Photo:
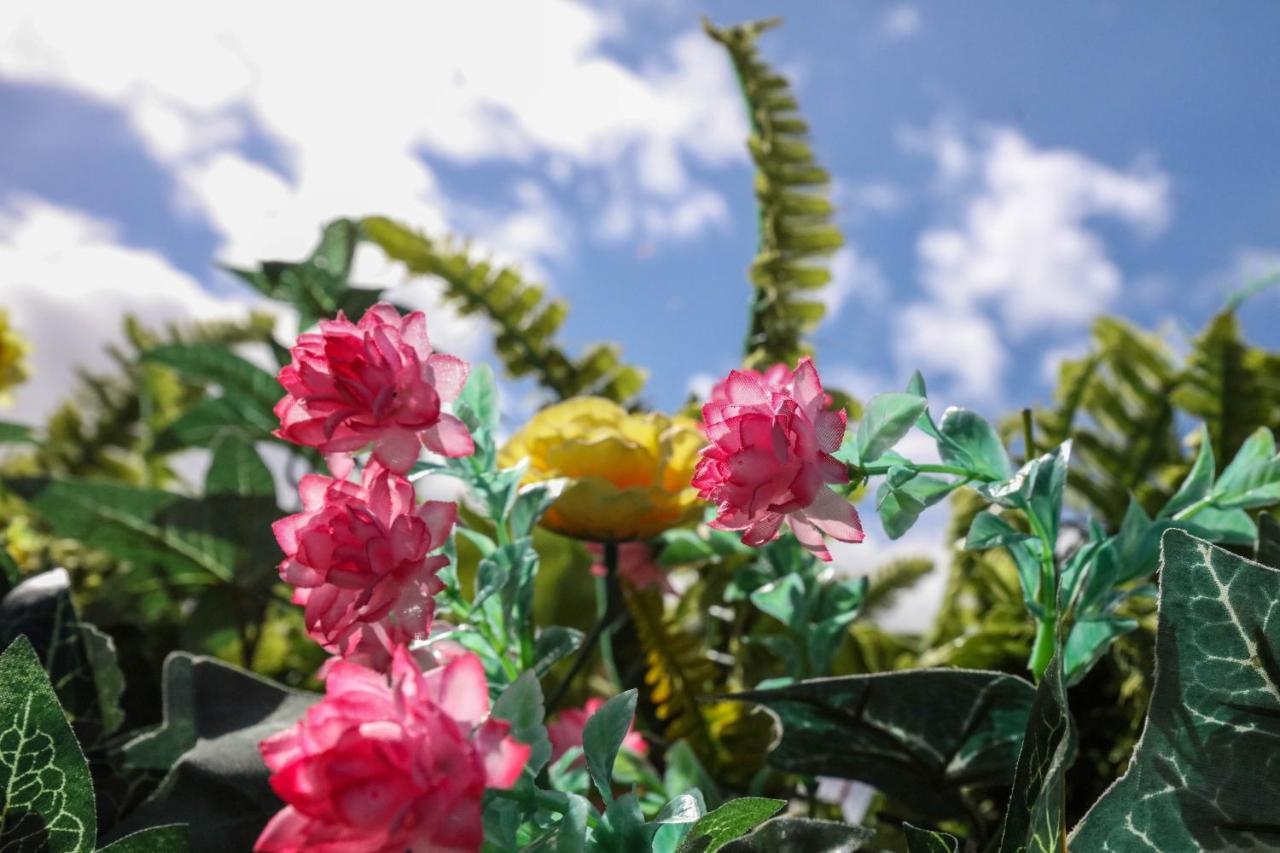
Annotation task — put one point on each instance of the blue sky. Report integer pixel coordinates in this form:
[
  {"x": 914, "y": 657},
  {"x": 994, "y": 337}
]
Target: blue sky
[{"x": 1004, "y": 171}]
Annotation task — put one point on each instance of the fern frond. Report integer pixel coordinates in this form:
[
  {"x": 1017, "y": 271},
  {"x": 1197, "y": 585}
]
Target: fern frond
[
  {"x": 1116, "y": 405},
  {"x": 1231, "y": 386},
  {"x": 797, "y": 231},
  {"x": 524, "y": 321},
  {"x": 678, "y": 673},
  {"x": 894, "y": 577}
]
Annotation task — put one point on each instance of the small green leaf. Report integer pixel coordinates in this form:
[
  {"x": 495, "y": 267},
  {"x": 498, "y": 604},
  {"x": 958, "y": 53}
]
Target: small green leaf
[
  {"x": 1198, "y": 482},
  {"x": 887, "y": 418},
  {"x": 732, "y": 820},
  {"x": 477, "y": 405},
  {"x": 968, "y": 440},
  {"x": 784, "y": 600},
  {"x": 521, "y": 706},
  {"x": 1253, "y": 477},
  {"x": 553, "y": 645},
  {"x": 929, "y": 840},
  {"x": 530, "y": 503},
  {"x": 237, "y": 469},
  {"x": 602, "y": 737},
  {"x": 622, "y": 828},
  {"x": 1088, "y": 641},
  {"x": 681, "y": 546},
  {"x": 44, "y": 779},
  {"x": 991, "y": 531},
  {"x": 571, "y": 834},
  {"x": 685, "y": 808},
  {"x": 904, "y": 495},
  {"x": 685, "y": 773}
]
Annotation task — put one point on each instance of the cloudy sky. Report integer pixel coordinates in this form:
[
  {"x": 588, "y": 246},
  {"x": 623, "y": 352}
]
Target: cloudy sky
[{"x": 1004, "y": 171}]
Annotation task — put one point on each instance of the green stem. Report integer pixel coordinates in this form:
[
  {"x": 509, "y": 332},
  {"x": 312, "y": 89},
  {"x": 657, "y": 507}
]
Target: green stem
[
  {"x": 1028, "y": 435},
  {"x": 1195, "y": 508},
  {"x": 1047, "y": 624},
  {"x": 884, "y": 467},
  {"x": 607, "y": 605},
  {"x": 1042, "y": 651}
]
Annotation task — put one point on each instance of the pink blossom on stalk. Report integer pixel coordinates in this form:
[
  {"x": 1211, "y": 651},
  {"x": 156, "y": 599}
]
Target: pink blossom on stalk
[
  {"x": 772, "y": 436},
  {"x": 636, "y": 565},
  {"x": 358, "y": 559},
  {"x": 386, "y": 766},
  {"x": 565, "y": 731},
  {"x": 376, "y": 382}
]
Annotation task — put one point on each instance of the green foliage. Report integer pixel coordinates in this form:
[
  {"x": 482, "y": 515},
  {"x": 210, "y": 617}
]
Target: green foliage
[
  {"x": 1201, "y": 778},
  {"x": 800, "y": 835},
  {"x": 525, "y": 325},
  {"x": 44, "y": 779},
  {"x": 928, "y": 840},
  {"x": 732, "y": 820},
  {"x": 216, "y": 783},
  {"x": 797, "y": 231},
  {"x": 920, "y": 736},
  {"x": 602, "y": 738}
]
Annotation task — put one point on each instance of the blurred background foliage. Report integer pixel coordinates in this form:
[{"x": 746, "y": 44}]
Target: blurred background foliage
[{"x": 161, "y": 558}]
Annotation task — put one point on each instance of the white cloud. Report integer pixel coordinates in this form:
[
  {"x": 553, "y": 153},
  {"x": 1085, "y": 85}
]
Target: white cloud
[
  {"x": 878, "y": 197},
  {"x": 853, "y": 276},
  {"x": 1023, "y": 243},
  {"x": 1017, "y": 242},
  {"x": 68, "y": 281},
  {"x": 942, "y": 340},
  {"x": 350, "y": 103},
  {"x": 901, "y": 22}
]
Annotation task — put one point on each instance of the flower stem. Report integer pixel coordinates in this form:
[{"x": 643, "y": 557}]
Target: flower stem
[{"x": 601, "y": 633}]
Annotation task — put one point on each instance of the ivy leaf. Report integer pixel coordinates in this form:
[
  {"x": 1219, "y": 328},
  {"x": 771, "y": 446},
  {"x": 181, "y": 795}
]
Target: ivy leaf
[
  {"x": 215, "y": 717},
  {"x": 732, "y": 820},
  {"x": 918, "y": 735},
  {"x": 1203, "y": 775},
  {"x": 602, "y": 737},
  {"x": 968, "y": 440},
  {"x": 79, "y": 659},
  {"x": 1035, "y": 820},
  {"x": 888, "y": 417},
  {"x": 44, "y": 778},
  {"x": 929, "y": 840},
  {"x": 801, "y": 835},
  {"x": 157, "y": 839}
]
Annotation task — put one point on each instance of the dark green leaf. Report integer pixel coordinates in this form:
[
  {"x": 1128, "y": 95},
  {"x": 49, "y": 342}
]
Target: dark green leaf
[
  {"x": 1035, "y": 819},
  {"x": 681, "y": 546},
  {"x": 79, "y": 659},
  {"x": 45, "y": 787},
  {"x": 622, "y": 829},
  {"x": 904, "y": 495},
  {"x": 1253, "y": 477},
  {"x": 1269, "y": 541},
  {"x": 784, "y": 600},
  {"x": 929, "y": 840},
  {"x": 732, "y": 820},
  {"x": 248, "y": 386},
  {"x": 215, "y": 716},
  {"x": 1203, "y": 775},
  {"x": 685, "y": 773},
  {"x": 553, "y": 645},
  {"x": 801, "y": 835},
  {"x": 919, "y": 736},
  {"x": 157, "y": 839},
  {"x": 602, "y": 737},
  {"x": 237, "y": 469}
]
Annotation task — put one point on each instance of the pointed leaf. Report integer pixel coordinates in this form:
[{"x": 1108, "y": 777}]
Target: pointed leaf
[
  {"x": 732, "y": 820},
  {"x": 887, "y": 418},
  {"x": 602, "y": 737},
  {"x": 929, "y": 840}
]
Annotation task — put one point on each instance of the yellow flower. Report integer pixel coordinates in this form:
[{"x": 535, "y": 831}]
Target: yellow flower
[
  {"x": 628, "y": 474},
  {"x": 13, "y": 357}
]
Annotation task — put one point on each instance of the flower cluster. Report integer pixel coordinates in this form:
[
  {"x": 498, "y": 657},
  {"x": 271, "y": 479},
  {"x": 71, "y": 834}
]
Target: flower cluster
[
  {"x": 771, "y": 438},
  {"x": 384, "y": 766},
  {"x": 392, "y": 758}
]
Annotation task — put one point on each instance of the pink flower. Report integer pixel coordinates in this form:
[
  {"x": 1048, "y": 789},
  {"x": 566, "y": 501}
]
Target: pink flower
[
  {"x": 566, "y": 731},
  {"x": 635, "y": 565},
  {"x": 380, "y": 767},
  {"x": 375, "y": 382},
  {"x": 770, "y": 460},
  {"x": 357, "y": 557}
]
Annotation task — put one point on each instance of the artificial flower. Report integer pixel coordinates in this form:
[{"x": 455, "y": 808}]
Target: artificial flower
[{"x": 565, "y": 731}]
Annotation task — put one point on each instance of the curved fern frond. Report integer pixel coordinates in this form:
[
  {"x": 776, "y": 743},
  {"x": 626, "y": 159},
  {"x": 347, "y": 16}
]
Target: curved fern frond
[
  {"x": 894, "y": 577},
  {"x": 525, "y": 323},
  {"x": 797, "y": 232},
  {"x": 1231, "y": 386}
]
